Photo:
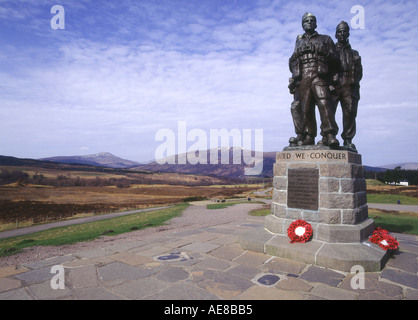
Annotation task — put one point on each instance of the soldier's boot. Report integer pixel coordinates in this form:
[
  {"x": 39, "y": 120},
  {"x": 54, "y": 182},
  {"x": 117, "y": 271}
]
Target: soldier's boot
[
  {"x": 309, "y": 140},
  {"x": 332, "y": 141},
  {"x": 322, "y": 142},
  {"x": 349, "y": 144},
  {"x": 294, "y": 141}
]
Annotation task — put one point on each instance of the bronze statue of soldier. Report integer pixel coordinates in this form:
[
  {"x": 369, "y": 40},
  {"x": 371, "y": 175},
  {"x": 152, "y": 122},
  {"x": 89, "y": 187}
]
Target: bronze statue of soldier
[
  {"x": 313, "y": 64},
  {"x": 349, "y": 75}
]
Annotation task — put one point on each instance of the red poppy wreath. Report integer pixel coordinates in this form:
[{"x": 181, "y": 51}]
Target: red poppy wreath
[
  {"x": 299, "y": 231},
  {"x": 384, "y": 239}
]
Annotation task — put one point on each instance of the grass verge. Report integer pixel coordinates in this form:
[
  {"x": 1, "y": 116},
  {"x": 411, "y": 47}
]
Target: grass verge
[
  {"x": 90, "y": 231},
  {"x": 265, "y": 211},
  {"x": 391, "y": 199},
  {"x": 400, "y": 222},
  {"x": 222, "y": 205},
  {"x": 374, "y": 182}
]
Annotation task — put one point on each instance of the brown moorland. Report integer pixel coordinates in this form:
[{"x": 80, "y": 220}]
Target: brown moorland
[
  {"x": 54, "y": 203},
  {"x": 34, "y": 191},
  {"x": 411, "y": 191}
]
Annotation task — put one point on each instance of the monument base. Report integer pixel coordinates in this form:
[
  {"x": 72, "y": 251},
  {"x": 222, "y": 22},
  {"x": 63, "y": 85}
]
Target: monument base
[
  {"x": 327, "y": 189},
  {"x": 337, "y": 256}
]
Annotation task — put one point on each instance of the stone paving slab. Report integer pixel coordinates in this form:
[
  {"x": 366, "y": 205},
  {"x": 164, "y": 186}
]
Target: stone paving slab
[
  {"x": 201, "y": 247},
  {"x": 35, "y": 275},
  {"x": 121, "y": 271},
  {"x": 205, "y": 264},
  {"x": 401, "y": 277},
  {"x": 7, "y": 284},
  {"x": 12, "y": 270},
  {"x": 83, "y": 277},
  {"x": 405, "y": 261},
  {"x": 131, "y": 258},
  {"x": 262, "y": 293},
  {"x": 322, "y": 275},
  {"x": 332, "y": 293},
  {"x": 42, "y": 291},
  {"x": 373, "y": 288}
]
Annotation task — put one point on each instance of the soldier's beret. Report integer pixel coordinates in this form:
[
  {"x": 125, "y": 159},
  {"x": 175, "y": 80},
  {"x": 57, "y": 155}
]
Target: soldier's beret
[
  {"x": 343, "y": 25},
  {"x": 306, "y": 15}
]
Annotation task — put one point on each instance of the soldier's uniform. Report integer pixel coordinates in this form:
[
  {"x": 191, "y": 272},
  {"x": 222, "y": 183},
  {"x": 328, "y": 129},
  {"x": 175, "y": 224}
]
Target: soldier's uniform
[
  {"x": 313, "y": 65},
  {"x": 348, "y": 93},
  {"x": 296, "y": 110}
]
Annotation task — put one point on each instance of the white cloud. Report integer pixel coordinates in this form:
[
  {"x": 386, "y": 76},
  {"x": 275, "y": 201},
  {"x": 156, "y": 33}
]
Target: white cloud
[{"x": 121, "y": 72}]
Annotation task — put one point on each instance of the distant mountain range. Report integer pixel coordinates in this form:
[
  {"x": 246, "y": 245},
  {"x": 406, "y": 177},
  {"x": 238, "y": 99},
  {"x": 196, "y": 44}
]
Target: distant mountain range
[
  {"x": 374, "y": 169},
  {"x": 108, "y": 160},
  {"x": 404, "y": 166},
  {"x": 229, "y": 170},
  {"x": 102, "y": 159}
]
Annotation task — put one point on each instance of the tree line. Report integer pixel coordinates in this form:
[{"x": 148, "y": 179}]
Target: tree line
[{"x": 394, "y": 176}]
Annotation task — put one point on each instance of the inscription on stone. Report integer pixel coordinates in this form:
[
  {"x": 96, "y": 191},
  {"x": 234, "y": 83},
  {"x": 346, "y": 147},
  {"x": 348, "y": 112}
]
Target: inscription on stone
[
  {"x": 313, "y": 156},
  {"x": 302, "y": 189}
]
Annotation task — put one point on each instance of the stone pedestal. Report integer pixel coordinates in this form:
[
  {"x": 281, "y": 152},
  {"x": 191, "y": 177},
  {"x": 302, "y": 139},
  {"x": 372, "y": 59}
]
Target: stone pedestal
[{"x": 327, "y": 189}]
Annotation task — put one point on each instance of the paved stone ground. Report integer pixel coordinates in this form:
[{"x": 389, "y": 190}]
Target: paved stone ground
[{"x": 204, "y": 264}]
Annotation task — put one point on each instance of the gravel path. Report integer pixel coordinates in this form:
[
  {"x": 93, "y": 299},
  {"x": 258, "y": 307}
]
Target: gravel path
[
  {"x": 195, "y": 216},
  {"x": 394, "y": 207}
]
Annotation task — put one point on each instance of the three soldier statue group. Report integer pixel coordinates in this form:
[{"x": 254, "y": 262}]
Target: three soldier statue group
[{"x": 324, "y": 74}]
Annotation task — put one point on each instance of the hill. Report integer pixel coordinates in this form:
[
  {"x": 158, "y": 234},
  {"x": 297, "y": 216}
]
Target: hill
[
  {"x": 229, "y": 170},
  {"x": 374, "y": 169},
  {"x": 37, "y": 172},
  {"x": 108, "y": 161},
  {"x": 102, "y": 159},
  {"x": 9, "y": 161},
  {"x": 404, "y": 166},
  {"x": 26, "y": 163}
]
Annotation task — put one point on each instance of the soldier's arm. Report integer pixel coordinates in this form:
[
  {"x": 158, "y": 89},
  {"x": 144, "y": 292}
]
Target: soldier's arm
[
  {"x": 296, "y": 52},
  {"x": 294, "y": 59},
  {"x": 358, "y": 66},
  {"x": 332, "y": 52},
  {"x": 333, "y": 57}
]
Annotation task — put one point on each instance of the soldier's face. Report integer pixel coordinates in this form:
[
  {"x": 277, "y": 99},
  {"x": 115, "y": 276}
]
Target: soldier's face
[
  {"x": 342, "y": 34},
  {"x": 309, "y": 24}
]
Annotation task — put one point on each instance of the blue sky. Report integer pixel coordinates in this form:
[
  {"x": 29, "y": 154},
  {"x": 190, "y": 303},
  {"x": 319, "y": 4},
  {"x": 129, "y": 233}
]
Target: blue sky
[{"x": 122, "y": 70}]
